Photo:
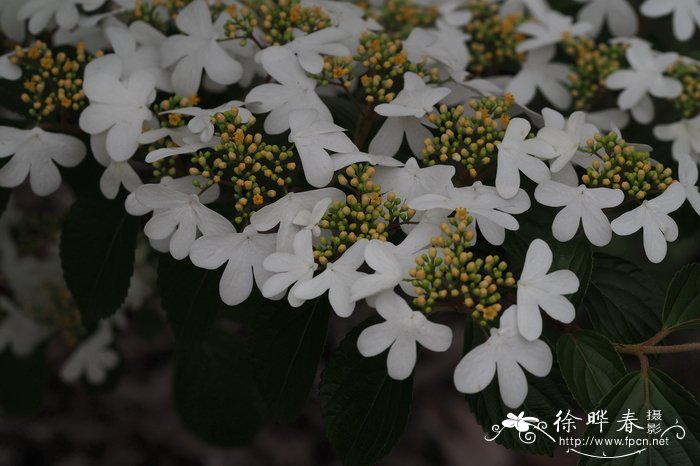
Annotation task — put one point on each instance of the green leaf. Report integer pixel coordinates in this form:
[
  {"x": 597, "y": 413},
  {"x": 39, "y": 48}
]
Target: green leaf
[
  {"x": 676, "y": 406},
  {"x": 98, "y": 241},
  {"x": 682, "y": 306},
  {"x": 623, "y": 302},
  {"x": 545, "y": 396},
  {"x": 190, "y": 297},
  {"x": 24, "y": 382},
  {"x": 214, "y": 390},
  {"x": 363, "y": 409},
  {"x": 287, "y": 344},
  {"x": 590, "y": 366}
]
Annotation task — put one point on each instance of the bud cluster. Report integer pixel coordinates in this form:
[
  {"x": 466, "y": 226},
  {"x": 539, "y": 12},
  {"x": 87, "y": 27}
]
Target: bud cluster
[
  {"x": 168, "y": 166},
  {"x": 593, "y": 63},
  {"x": 688, "y": 103},
  {"x": 365, "y": 214},
  {"x": 468, "y": 140},
  {"x": 494, "y": 38},
  {"x": 450, "y": 274},
  {"x": 242, "y": 23},
  {"x": 336, "y": 69},
  {"x": 402, "y": 16},
  {"x": 54, "y": 81},
  {"x": 279, "y": 19},
  {"x": 385, "y": 60},
  {"x": 258, "y": 172},
  {"x": 623, "y": 166}
]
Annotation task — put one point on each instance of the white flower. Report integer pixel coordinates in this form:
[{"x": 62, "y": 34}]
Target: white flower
[
  {"x": 295, "y": 91},
  {"x": 517, "y": 154},
  {"x": 201, "y": 121},
  {"x": 309, "y": 220},
  {"x": 244, "y": 253},
  {"x": 688, "y": 177},
  {"x": 582, "y": 205},
  {"x": 9, "y": 23},
  {"x": 35, "y": 154},
  {"x": 19, "y": 332},
  {"x": 198, "y": 50},
  {"x": 178, "y": 215},
  {"x": 445, "y": 45},
  {"x": 402, "y": 329},
  {"x": 94, "y": 358},
  {"x": 406, "y": 114},
  {"x": 644, "y": 79},
  {"x": 341, "y": 161},
  {"x": 686, "y": 15},
  {"x": 311, "y": 48},
  {"x": 506, "y": 353},
  {"x": 186, "y": 142},
  {"x": 65, "y": 12},
  {"x": 337, "y": 279},
  {"x": 314, "y": 137},
  {"x": 618, "y": 14},
  {"x": 283, "y": 211},
  {"x": 539, "y": 289},
  {"x": 116, "y": 173},
  {"x": 120, "y": 108},
  {"x": 539, "y": 73},
  {"x": 521, "y": 423},
  {"x": 652, "y": 217},
  {"x": 411, "y": 181},
  {"x": 346, "y": 16},
  {"x": 548, "y": 29},
  {"x": 391, "y": 263},
  {"x": 685, "y": 135},
  {"x": 565, "y": 136},
  {"x": 9, "y": 70},
  {"x": 490, "y": 211},
  {"x": 290, "y": 269}
]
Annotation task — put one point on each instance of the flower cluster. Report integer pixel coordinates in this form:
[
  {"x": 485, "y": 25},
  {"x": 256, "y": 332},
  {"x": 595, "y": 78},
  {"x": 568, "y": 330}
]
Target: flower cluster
[{"x": 377, "y": 152}]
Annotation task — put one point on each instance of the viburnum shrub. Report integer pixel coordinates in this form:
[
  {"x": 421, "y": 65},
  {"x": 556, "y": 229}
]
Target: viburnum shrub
[{"x": 443, "y": 174}]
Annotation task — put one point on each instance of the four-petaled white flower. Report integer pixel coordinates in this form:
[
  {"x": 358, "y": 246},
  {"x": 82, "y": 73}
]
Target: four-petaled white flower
[
  {"x": 406, "y": 115},
  {"x": 402, "y": 329},
  {"x": 290, "y": 269},
  {"x": 295, "y": 91},
  {"x": 518, "y": 154},
  {"x": 120, "y": 108},
  {"x": 538, "y": 72},
  {"x": 198, "y": 49},
  {"x": 446, "y": 45},
  {"x": 685, "y": 135},
  {"x": 582, "y": 205},
  {"x": 566, "y": 137},
  {"x": 686, "y": 15},
  {"x": 201, "y": 121},
  {"x": 179, "y": 216},
  {"x": 309, "y": 220},
  {"x": 548, "y": 29},
  {"x": 65, "y": 12},
  {"x": 93, "y": 359},
  {"x": 411, "y": 181},
  {"x": 618, "y": 14},
  {"x": 539, "y": 289},
  {"x": 337, "y": 279},
  {"x": 35, "y": 154},
  {"x": 116, "y": 174},
  {"x": 490, "y": 211},
  {"x": 314, "y": 137},
  {"x": 244, "y": 254},
  {"x": 644, "y": 79},
  {"x": 505, "y": 354},
  {"x": 310, "y": 48},
  {"x": 652, "y": 217},
  {"x": 283, "y": 211},
  {"x": 688, "y": 177}
]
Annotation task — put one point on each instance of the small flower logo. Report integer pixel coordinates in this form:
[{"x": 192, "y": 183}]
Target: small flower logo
[{"x": 521, "y": 422}]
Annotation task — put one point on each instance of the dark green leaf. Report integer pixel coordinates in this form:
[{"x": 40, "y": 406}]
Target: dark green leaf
[
  {"x": 364, "y": 410},
  {"x": 190, "y": 297},
  {"x": 677, "y": 406},
  {"x": 24, "y": 382},
  {"x": 215, "y": 392},
  {"x": 682, "y": 306},
  {"x": 590, "y": 366},
  {"x": 98, "y": 241},
  {"x": 623, "y": 302},
  {"x": 545, "y": 397},
  {"x": 287, "y": 344}
]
